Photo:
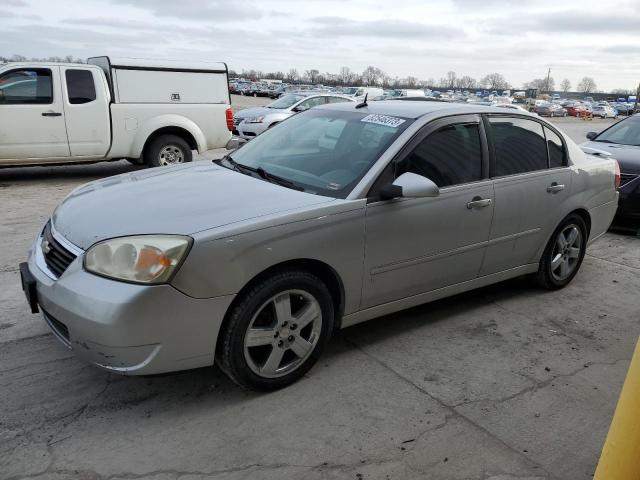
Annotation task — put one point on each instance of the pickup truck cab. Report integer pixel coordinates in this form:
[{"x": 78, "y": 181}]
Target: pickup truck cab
[{"x": 146, "y": 111}]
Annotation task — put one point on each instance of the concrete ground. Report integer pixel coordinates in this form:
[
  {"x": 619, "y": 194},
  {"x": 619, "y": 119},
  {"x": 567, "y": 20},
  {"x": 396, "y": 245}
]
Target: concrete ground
[{"x": 504, "y": 383}]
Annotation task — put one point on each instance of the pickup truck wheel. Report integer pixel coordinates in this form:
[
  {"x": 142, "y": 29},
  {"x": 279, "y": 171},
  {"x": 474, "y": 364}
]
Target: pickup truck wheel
[
  {"x": 276, "y": 331},
  {"x": 167, "y": 150},
  {"x": 563, "y": 254}
]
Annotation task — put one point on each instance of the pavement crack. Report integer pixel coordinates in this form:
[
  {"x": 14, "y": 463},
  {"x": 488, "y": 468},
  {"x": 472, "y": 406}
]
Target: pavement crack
[{"x": 451, "y": 409}]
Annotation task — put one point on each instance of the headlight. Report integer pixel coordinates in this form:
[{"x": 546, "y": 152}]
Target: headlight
[
  {"x": 259, "y": 119},
  {"x": 141, "y": 259}
]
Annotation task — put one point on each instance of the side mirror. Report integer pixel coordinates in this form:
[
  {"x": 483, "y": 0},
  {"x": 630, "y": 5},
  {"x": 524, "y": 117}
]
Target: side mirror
[
  {"x": 300, "y": 108},
  {"x": 410, "y": 185},
  {"x": 235, "y": 143},
  {"x": 592, "y": 135}
]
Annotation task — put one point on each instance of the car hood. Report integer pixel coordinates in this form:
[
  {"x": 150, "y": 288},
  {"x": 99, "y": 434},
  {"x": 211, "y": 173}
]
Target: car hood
[
  {"x": 257, "y": 111},
  {"x": 173, "y": 200},
  {"x": 628, "y": 156}
]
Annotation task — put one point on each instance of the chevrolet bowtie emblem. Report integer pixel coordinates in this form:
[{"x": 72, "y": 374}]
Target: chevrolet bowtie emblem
[{"x": 46, "y": 246}]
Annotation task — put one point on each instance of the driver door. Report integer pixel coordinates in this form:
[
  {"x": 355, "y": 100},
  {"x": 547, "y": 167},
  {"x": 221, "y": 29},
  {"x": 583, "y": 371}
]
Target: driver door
[
  {"x": 32, "y": 120},
  {"x": 416, "y": 245}
]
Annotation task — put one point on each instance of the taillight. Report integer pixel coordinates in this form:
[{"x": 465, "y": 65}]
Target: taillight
[
  {"x": 616, "y": 181},
  {"x": 229, "y": 114}
]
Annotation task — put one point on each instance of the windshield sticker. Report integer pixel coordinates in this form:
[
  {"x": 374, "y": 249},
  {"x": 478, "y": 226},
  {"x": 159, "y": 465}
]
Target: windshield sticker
[{"x": 385, "y": 120}]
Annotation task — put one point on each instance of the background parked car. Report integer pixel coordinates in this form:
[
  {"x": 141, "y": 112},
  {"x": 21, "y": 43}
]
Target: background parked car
[
  {"x": 578, "y": 110},
  {"x": 550, "y": 110},
  {"x": 252, "y": 122},
  {"x": 604, "y": 111},
  {"x": 622, "y": 141}
]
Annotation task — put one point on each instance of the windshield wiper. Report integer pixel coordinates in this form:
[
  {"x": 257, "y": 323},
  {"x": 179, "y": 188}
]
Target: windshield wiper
[
  {"x": 261, "y": 172},
  {"x": 277, "y": 179}
]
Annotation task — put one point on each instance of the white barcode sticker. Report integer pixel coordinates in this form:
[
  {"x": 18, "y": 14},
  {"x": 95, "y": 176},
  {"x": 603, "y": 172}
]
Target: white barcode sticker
[{"x": 386, "y": 120}]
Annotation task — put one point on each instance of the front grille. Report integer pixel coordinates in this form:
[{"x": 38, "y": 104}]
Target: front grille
[
  {"x": 60, "y": 330},
  {"x": 626, "y": 178},
  {"x": 55, "y": 255}
]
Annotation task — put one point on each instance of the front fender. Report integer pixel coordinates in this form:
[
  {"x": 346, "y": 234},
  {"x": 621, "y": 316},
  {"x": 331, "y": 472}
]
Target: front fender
[{"x": 148, "y": 127}]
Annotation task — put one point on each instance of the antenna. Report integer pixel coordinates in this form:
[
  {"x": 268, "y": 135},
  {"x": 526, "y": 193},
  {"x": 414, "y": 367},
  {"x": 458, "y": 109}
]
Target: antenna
[{"x": 364, "y": 102}]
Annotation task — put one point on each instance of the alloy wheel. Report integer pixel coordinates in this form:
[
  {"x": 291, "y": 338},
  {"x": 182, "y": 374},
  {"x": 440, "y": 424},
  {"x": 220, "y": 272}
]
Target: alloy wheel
[
  {"x": 283, "y": 333},
  {"x": 565, "y": 255}
]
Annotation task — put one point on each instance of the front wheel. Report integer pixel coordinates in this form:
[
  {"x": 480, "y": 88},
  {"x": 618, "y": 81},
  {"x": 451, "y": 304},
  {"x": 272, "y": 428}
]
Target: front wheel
[
  {"x": 276, "y": 331},
  {"x": 563, "y": 254},
  {"x": 167, "y": 150}
]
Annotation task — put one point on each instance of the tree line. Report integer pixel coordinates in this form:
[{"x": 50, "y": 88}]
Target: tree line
[{"x": 374, "y": 76}]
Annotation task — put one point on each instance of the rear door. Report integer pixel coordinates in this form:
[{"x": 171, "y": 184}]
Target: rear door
[
  {"x": 32, "y": 123},
  {"x": 86, "y": 106},
  {"x": 531, "y": 183}
]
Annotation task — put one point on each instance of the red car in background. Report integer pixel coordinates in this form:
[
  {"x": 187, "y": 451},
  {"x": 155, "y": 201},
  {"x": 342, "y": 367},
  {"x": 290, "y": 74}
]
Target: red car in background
[{"x": 578, "y": 110}]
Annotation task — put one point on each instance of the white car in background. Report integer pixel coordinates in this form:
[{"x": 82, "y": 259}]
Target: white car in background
[
  {"x": 603, "y": 111},
  {"x": 513, "y": 106},
  {"x": 251, "y": 122}
]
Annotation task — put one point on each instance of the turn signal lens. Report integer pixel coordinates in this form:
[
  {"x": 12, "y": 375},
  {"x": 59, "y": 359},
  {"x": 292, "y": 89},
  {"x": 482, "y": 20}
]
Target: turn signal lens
[{"x": 141, "y": 259}]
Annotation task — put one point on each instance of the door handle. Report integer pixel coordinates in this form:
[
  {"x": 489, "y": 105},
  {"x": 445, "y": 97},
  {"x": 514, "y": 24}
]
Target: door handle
[
  {"x": 555, "y": 188},
  {"x": 479, "y": 202},
  {"x": 51, "y": 114}
]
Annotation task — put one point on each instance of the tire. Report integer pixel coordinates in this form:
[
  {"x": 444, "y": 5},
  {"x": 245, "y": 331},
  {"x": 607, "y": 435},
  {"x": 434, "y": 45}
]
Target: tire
[
  {"x": 564, "y": 114},
  {"x": 282, "y": 351},
  {"x": 255, "y": 94},
  {"x": 558, "y": 256},
  {"x": 167, "y": 150}
]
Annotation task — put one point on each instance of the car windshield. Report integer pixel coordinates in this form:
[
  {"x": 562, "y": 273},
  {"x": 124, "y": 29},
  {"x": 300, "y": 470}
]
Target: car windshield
[
  {"x": 626, "y": 132},
  {"x": 350, "y": 90},
  {"x": 323, "y": 151},
  {"x": 286, "y": 101}
]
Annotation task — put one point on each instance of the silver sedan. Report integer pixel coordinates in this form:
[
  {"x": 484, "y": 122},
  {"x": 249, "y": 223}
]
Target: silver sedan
[
  {"x": 339, "y": 215},
  {"x": 251, "y": 122}
]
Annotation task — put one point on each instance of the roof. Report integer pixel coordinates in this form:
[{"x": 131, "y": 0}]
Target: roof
[
  {"x": 418, "y": 109},
  {"x": 163, "y": 64}
]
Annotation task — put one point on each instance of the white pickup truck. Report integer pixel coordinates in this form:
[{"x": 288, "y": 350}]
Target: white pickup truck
[{"x": 149, "y": 112}]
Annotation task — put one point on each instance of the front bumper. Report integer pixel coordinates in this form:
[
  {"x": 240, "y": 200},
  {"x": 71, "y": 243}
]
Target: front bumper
[
  {"x": 250, "y": 130},
  {"x": 127, "y": 328}
]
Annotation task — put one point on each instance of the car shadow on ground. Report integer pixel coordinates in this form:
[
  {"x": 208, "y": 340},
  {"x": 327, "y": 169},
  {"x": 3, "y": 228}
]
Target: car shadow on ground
[{"x": 87, "y": 171}]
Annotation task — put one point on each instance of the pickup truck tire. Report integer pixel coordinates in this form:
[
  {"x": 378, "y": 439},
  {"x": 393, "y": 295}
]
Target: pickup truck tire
[{"x": 167, "y": 150}]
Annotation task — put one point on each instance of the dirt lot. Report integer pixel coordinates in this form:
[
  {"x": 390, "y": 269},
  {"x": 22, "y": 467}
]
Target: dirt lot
[{"x": 506, "y": 382}]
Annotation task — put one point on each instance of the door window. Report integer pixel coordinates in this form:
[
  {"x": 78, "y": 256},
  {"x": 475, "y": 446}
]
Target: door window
[
  {"x": 338, "y": 99},
  {"x": 520, "y": 146},
  {"x": 28, "y": 86},
  {"x": 449, "y": 156},
  {"x": 555, "y": 148},
  {"x": 80, "y": 86},
  {"x": 311, "y": 102}
]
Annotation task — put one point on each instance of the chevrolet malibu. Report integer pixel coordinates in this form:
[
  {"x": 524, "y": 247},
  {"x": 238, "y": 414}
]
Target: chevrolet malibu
[{"x": 340, "y": 214}]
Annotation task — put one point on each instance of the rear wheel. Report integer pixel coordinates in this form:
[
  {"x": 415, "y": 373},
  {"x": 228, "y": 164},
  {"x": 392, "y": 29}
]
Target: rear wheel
[
  {"x": 563, "y": 254},
  {"x": 167, "y": 150},
  {"x": 276, "y": 331}
]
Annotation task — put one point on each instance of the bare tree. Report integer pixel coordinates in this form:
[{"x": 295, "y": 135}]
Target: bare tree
[
  {"x": 565, "y": 85},
  {"x": 312, "y": 75},
  {"x": 346, "y": 76},
  {"x": 411, "y": 82},
  {"x": 466, "y": 82},
  {"x": 451, "y": 79},
  {"x": 587, "y": 85},
  {"x": 542, "y": 84},
  {"x": 373, "y": 75},
  {"x": 622, "y": 91},
  {"x": 292, "y": 75},
  {"x": 494, "y": 81}
]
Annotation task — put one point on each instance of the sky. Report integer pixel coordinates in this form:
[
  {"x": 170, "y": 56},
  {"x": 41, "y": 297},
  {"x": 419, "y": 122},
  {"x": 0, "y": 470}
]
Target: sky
[{"x": 521, "y": 39}]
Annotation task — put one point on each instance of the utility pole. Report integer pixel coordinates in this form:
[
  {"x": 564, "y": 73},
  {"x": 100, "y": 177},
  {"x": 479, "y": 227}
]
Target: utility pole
[{"x": 548, "y": 79}]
